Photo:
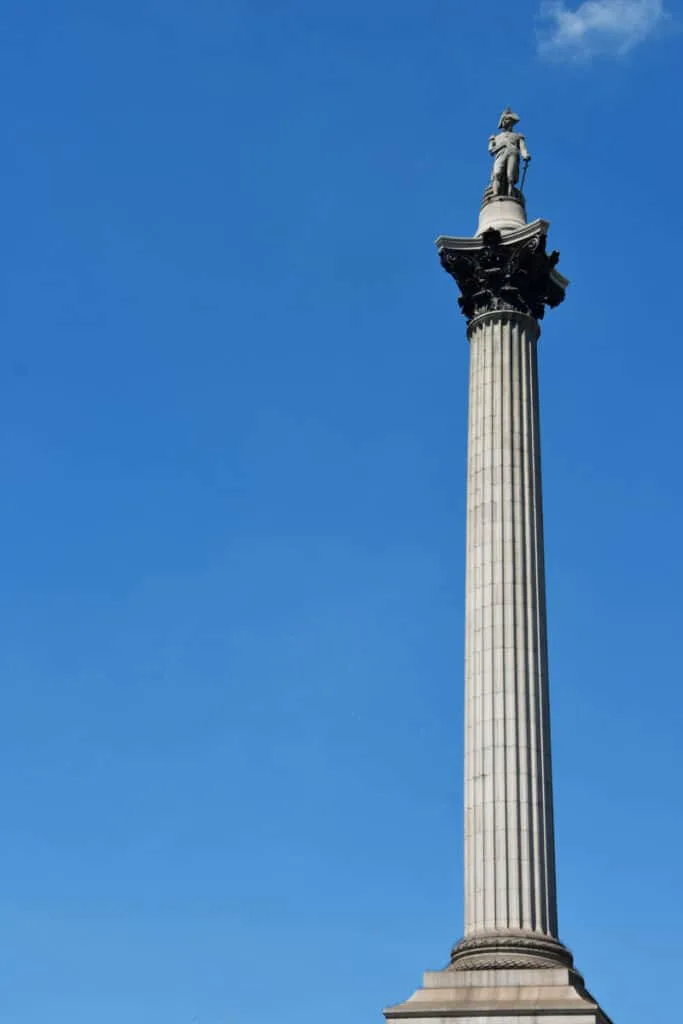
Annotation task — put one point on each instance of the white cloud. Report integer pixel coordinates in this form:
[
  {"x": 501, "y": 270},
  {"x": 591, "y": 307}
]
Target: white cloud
[{"x": 596, "y": 27}]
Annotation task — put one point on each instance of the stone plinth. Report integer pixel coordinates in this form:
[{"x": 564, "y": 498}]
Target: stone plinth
[{"x": 544, "y": 996}]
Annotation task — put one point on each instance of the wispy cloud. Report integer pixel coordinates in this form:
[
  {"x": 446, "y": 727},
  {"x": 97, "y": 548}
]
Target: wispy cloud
[{"x": 596, "y": 27}]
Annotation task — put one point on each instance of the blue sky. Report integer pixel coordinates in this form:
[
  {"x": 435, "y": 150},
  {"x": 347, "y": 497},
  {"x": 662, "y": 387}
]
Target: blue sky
[{"x": 233, "y": 418}]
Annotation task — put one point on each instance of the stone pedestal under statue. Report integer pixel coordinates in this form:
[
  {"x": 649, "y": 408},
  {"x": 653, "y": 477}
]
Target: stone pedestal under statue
[{"x": 510, "y": 967}]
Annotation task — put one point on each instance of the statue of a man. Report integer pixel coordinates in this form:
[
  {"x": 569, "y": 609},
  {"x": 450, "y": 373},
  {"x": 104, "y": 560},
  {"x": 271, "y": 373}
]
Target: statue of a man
[{"x": 507, "y": 147}]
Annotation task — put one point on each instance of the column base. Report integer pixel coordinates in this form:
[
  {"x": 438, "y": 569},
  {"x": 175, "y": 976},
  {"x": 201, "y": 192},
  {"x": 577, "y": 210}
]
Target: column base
[
  {"x": 509, "y": 950},
  {"x": 540, "y": 996}
]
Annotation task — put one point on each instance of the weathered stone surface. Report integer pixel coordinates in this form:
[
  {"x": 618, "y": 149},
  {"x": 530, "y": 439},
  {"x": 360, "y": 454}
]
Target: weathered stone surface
[
  {"x": 509, "y": 843},
  {"x": 504, "y": 213}
]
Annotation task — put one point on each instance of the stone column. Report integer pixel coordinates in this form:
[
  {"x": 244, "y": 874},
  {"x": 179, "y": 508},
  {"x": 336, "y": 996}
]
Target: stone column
[
  {"x": 509, "y": 851},
  {"x": 510, "y": 897}
]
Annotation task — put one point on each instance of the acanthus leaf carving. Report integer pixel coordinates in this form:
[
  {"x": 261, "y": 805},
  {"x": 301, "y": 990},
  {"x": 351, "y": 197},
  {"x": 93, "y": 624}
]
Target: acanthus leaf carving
[{"x": 498, "y": 276}]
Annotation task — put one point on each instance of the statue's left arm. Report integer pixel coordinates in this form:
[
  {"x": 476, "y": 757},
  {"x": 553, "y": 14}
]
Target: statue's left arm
[{"x": 524, "y": 152}]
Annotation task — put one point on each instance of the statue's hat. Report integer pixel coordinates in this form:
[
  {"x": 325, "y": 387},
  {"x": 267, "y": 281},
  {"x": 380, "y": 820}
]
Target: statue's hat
[{"x": 510, "y": 115}]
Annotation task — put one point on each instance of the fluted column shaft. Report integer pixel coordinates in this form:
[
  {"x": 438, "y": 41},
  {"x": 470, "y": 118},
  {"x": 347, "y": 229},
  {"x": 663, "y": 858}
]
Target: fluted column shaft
[{"x": 509, "y": 842}]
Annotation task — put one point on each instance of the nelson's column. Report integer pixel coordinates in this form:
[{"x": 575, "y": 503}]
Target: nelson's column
[{"x": 510, "y": 967}]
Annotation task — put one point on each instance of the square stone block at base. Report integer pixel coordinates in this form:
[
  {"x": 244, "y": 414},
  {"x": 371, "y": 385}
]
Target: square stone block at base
[{"x": 538, "y": 996}]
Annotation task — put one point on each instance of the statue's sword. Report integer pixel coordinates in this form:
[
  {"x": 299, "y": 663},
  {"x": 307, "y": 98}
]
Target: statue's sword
[{"x": 526, "y": 168}]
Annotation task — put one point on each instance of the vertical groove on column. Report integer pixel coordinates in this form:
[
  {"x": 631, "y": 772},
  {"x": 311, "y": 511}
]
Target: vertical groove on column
[
  {"x": 508, "y": 654},
  {"x": 471, "y": 675},
  {"x": 516, "y": 794},
  {"x": 487, "y": 561},
  {"x": 523, "y": 659},
  {"x": 479, "y": 754},
  {"x": 533, "y": 654},
  {"x": 539, "y": 677},
  {"x": 473, "y": 682},
  {"x": 489, "y": 856},
  {"x": 469, "y": 647},
  {"x": 477, "y": 767},
  {"x": 544, "y": 753},
  {"x": 481, "y": 639},
  {"x": 521, "y": 644},
  {"x": 501, "y": 739},
  {"x": 479, "y": 758},
  {"x": 487, "y": 526},
  {"x": 493, "y": 514},
  {"x": 530, "y": 647},
  {"x": 496, "y": 517}
]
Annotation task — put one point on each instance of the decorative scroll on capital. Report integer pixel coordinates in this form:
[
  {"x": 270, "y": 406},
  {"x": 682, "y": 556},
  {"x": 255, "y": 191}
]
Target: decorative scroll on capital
[{"x": 511, "y": 272}]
